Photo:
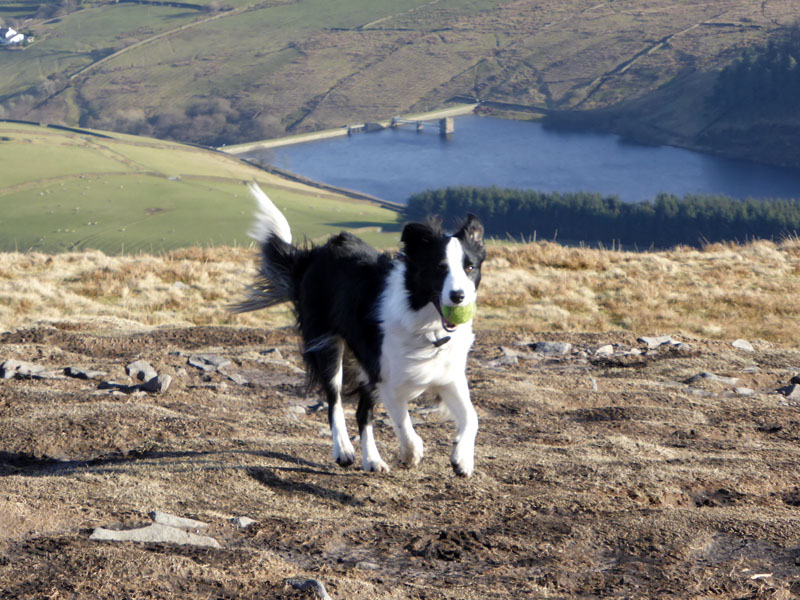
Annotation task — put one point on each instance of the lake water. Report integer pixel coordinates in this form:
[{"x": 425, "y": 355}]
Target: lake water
[{"x": 395, "y": 163}]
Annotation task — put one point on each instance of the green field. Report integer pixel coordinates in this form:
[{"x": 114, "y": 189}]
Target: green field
[{"x": 64, "y": 191}]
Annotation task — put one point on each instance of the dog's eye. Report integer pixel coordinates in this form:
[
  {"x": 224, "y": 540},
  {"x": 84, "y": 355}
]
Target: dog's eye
[{"x": 469, "y": 268}]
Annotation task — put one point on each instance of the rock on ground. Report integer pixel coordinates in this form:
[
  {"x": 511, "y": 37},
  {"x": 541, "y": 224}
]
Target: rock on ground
[
  {"x": 79, "y": 373},
  {"x": 155, "y": 534},
  {"x": 310, "y": 584},
  {"x": 792, "y": 392},
  {"x": 552, "y": 348},
  {"x": 655, "y": 342},
  {"x": 208, "y": 362},
  {"x": 174, "y": 521},
  {"x": 16, "y": 368},
  {"x": 141, "y": 370},
  {"x": 706, "y": 376}
]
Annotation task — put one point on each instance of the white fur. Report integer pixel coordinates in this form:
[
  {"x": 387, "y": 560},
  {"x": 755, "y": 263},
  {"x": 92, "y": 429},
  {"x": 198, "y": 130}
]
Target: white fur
[
  {"x": 411, "y": 364},
  {"x": 371, "y": 460},
  {"x": 457, "y": 279},
  {"x": 268, "y": 219},
  {"x": 343, "y": 451}
]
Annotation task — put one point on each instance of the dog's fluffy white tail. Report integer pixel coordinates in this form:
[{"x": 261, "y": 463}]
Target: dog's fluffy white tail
[
  {"x": 268, "y": 219},
  {"x": 275, "y": 282}
]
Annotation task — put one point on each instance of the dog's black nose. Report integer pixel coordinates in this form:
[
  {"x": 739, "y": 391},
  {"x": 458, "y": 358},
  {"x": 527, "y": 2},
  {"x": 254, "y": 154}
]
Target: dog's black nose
[{"x": 457, "y": 296}]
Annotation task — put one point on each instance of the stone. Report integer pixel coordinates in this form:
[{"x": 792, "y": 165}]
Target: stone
[
  {"x": 366, "y": 565},
  {"x": 12, "y": 368},
  {"x": 297, "y": 409},
  {"x": 310, "y": 584},
  {"x": 118, "y": 387},
  {"x": 655, "y": 342},
  {"x": 795, "y": 379},
  {"x": 243, "y": 522},
  {"x": 141, "y": 370},
  {"x": 699, "y": 392},
  {"x": 792, "y": 392},
  {"x": 606, "y": 350},
  {"x": 510, "y": 357},
  {"x": 743, "y": 391},
  {"x": 743, "y": 345},
  {"x": 208, "y": 362},
  {"x": 238, "y": 378},
  {"x": 164, "y": 518},
  {"x": 273, "y": 355},
  {"x": 79, "y": 373},
  {"x": 156, "y": 385},
  {"x": 155, "y": 534},
  {"x": 9, "y": 368},
  {"x": 552, "y": 348},
  {"x": 706, "y": 376},
  {"x": 503, "y": 361}
]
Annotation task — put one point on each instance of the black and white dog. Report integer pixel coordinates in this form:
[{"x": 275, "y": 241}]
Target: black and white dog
[{"x": 386, "y": 312}]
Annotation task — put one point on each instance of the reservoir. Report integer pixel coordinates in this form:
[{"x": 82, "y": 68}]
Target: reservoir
[{"x": 394, "y": 163}]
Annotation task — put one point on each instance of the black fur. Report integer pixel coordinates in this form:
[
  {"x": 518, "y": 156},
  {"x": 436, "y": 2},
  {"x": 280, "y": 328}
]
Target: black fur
[{"x": 335, "y": 290}]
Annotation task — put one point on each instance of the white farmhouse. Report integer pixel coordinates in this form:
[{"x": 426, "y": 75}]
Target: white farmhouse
[{"x": 8, "y": 36}]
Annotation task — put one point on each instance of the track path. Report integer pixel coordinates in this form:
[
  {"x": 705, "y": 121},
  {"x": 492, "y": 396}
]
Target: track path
[{"x": 155, "y": 38}]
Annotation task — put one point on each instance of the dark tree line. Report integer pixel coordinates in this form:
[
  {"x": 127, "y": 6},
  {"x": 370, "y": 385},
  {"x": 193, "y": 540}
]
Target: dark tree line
[
  {"x": 765, "y": 80},
  {"x": 592, "y": 218}
]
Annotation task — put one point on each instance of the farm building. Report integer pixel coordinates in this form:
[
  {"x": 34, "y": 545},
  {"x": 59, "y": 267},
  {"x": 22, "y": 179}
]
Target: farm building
[{"x": 9, "y": 36}]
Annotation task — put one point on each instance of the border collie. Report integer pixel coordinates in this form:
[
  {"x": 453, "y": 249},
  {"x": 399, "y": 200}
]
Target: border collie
[{"x": 387, "y": 313}]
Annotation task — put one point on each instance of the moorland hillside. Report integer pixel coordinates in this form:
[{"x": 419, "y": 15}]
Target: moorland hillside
[{"x": 224, "y": 72}]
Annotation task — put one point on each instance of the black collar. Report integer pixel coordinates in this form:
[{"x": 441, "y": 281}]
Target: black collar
[{"x": 441, "y": 341}]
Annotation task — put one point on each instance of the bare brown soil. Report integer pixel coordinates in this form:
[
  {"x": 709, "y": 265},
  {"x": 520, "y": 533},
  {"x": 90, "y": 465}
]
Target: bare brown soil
[{"x": 648, "y": 487}]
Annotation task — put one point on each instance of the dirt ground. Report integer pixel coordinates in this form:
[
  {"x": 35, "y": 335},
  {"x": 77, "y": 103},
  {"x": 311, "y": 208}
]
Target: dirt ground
[{"x": 597, "y": 475}]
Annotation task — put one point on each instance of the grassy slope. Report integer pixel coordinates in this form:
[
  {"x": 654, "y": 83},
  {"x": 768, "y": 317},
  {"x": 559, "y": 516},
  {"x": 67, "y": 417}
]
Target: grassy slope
[
  {"x": 66, "y": 191},
  {"x": 318, "y": 64}
]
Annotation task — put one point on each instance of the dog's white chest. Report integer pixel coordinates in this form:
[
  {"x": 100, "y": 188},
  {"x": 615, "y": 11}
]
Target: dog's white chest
[
  {"x": 413, "y": 352},
  {"x": 420, "y": 358}
]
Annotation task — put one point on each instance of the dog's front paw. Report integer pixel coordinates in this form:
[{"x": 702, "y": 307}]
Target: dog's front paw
[
  {"x": 374, "y": 465},
  {"x": 343, "y": 453},
  {"x": 463, "y": 461},
  {"x": 413, "y": 451}
]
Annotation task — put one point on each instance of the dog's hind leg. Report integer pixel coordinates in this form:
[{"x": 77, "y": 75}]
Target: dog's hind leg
[
  {"x": 326, "y": 362},
  {"x": 370, "y": 457},
  {"x": 456, "y": 397}
]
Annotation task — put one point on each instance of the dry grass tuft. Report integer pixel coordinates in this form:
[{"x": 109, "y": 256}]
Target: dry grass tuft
[{"x": 722, "y": 291}]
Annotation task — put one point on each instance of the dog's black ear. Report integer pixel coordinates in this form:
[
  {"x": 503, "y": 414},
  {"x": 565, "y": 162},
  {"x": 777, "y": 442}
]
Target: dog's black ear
[
  {"x": 472, "y": 230},
  {"x": 418, "y": 234}
]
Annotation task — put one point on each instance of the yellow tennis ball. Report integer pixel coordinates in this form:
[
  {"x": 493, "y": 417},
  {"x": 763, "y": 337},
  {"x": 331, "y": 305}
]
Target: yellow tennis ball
[{"x": 459, "y": 314}]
